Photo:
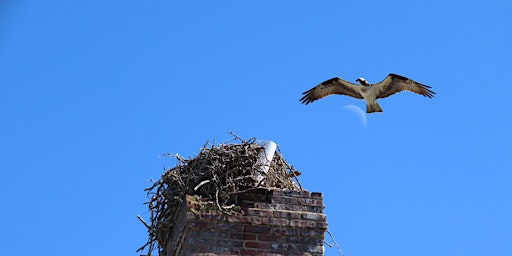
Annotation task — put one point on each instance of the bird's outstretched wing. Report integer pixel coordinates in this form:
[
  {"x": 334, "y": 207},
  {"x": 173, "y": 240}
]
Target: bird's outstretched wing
[
  {"x": 332, "y": 86},
  {"x": 396, "y": 83}
]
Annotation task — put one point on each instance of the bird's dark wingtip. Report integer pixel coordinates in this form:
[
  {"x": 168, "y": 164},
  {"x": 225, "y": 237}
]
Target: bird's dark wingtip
[
  {"x": 430, "y": 93},
  {"x": 308, "y": 91},
  {"x": 306, "y": 98},
  {"x": 305, "y": 101}
]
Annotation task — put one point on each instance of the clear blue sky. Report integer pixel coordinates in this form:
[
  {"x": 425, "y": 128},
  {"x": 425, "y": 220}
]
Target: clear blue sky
[{"x": 92, "y": 92}]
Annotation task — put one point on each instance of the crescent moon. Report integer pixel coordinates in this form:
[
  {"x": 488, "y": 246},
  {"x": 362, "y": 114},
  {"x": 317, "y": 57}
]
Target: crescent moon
[{"x": 359, "y": 112}]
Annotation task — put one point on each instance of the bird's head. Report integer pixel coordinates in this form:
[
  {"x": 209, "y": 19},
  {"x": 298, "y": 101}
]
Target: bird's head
[{"x": 362, "y": 81}]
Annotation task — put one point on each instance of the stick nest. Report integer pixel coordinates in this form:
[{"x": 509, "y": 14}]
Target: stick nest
[{"x": 215, "y": 177}]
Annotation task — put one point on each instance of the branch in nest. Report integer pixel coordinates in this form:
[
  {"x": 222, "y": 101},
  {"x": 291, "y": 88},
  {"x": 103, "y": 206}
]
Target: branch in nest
[
  {"x": 144, "y": 222},
  {"x": 334, "y": 241},
  {"x": 200, "y": 184}
]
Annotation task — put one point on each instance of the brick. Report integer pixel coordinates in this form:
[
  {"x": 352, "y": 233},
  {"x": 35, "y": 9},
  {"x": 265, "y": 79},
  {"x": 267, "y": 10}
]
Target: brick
[
  {"x": 201, "y": 248},
  {"x": 321, "y": 224},
  {"x": 287, "y": 214},
  {"x": 256, "y": 245},
  {"x": 230, "y": 243},
  {"x": 238, "y": 219},
  {"x": 236, "y": 236},
  {"x": 304, "y": 240},
  {"x": 248, "y": 252},
  {"x": 279, "y": 222},
  {"x": 235, "y": 252},
  {"x": 269, "y": 254},
  {"x": 289, "y": 231},
  {"x": 316, "y": 249},
  {"x": 283, "y": 247},
  {"x": 203, "y": 225},
  {"x": 260, "y": 212},
  {"x": 271, "y": 238},
  {"x": 281, "y": 207},
  {"x": 260, "y": 221},
  {"x": 298, "y": 223},
  {"x": 212, "y": 234},
  {"x": 230, "y": 227},
  {"x": 316, "y": 194},
  {"x": 313, "y": 232},
  {"x": 190, "y": 216},
  {"x": 298, "y": 240},
  {"x": 201, "y": 240},
  {"x": 284, "y": 200},
  {"x": 262, "y": 206},
  {"x": 313, "y": 216},
  {"x": 209, "y": 216},
  {"x": 257, "y": 229},
  {"x": 219, "y": 249},
  {"x": 292, "y": 193},
  {"x": 278, "y": 192},
  {"x": 310, "y": 201},
  {"x": 297, "y": 208}
]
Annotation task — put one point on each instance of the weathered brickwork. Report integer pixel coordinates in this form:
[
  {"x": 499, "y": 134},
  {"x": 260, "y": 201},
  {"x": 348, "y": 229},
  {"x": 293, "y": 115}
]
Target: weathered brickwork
[{"x": 274, "y": 223}]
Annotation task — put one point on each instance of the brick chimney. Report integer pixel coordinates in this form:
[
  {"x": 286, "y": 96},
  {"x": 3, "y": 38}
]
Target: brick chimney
[
  {"x": 234, "y": 199},
  {"x": 272, "y": 222}
]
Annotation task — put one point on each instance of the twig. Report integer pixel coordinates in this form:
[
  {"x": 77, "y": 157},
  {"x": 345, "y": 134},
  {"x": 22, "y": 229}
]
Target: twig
[
  {"x": 200, "y": 184},
  {"x": 237, "y": 137},
  {"x": 144, "y": 222},
  {"x": 334, "y": 241}
]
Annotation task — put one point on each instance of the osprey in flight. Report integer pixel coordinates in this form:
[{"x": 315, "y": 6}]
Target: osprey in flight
[{"x": 369, "y": 92}]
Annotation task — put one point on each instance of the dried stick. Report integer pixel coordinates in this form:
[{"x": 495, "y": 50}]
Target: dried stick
[{"x": 334, "y": 241}]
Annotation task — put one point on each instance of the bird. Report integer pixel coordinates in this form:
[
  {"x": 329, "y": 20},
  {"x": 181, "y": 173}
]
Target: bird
[{"x": 392, "y": 84}]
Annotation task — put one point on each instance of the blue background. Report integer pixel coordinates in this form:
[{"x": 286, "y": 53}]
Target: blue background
[{"x": 92, "y": 92}]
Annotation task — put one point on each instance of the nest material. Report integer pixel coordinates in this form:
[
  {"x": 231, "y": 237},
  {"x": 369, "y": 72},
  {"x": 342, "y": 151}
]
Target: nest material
[{"x": 215, "y": 177}]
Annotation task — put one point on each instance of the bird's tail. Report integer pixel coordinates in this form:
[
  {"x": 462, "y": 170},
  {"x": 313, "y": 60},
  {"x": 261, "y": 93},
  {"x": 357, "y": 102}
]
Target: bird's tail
[{"x": 373, "y": 107}]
